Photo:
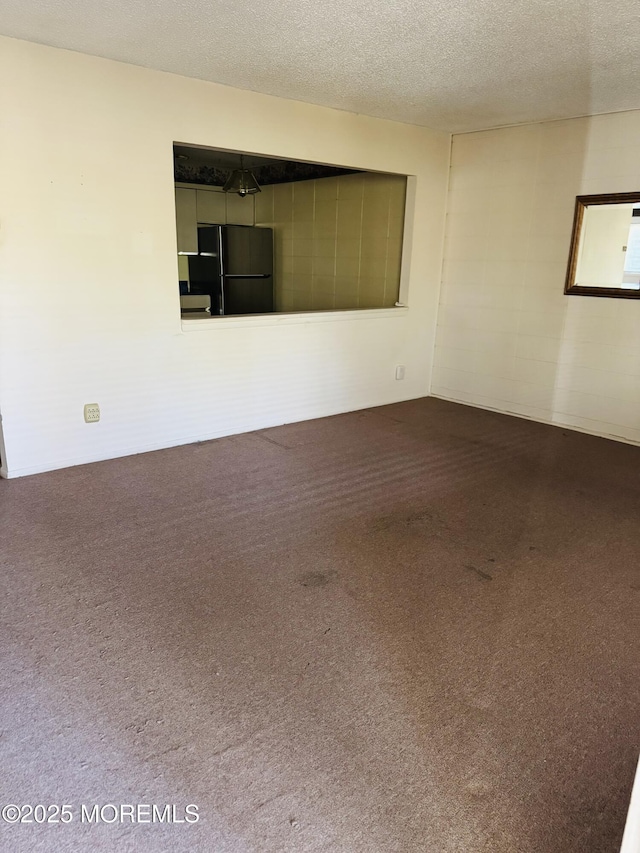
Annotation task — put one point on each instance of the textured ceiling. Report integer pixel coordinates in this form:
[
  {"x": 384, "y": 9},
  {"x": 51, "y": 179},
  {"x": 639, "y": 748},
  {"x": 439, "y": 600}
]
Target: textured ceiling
[{"x": 453, "y": 66}]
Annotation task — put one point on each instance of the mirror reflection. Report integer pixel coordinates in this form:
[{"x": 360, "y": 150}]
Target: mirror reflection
[{"x": 605, "y": 250}]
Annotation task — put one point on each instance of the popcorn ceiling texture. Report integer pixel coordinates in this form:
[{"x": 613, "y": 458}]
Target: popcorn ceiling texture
[{"x": 447, "y": 66}]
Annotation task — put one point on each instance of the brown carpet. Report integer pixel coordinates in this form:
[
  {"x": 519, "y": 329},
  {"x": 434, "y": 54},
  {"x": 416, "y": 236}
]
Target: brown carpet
[{"x": 412, "y": 628}]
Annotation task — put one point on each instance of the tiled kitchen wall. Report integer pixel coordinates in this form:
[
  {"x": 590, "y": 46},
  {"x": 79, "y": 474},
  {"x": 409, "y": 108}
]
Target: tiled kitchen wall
[
  {"x": 508, "y": 338},
  {"x": 338, "y": 241}
]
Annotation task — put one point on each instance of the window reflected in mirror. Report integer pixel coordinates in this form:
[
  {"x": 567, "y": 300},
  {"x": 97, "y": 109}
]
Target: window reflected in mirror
[{"x": 605, "y": 249}]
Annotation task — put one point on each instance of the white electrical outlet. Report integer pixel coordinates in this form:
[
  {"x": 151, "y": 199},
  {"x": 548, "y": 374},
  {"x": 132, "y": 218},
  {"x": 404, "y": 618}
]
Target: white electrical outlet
[
  {"x": 400, "y": 371},
  {"x": 91, "y": 413}
]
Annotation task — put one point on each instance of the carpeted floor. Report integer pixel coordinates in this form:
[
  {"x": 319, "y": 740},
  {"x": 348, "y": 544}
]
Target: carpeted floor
[{"x": 412, "y": 628}]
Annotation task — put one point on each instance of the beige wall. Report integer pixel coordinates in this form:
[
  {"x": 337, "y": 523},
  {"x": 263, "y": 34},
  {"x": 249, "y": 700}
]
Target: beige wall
[
  {"x": 507, "y": 336},
  {"x": 89, "y": 303},
  {"x": 338, "y": 241}
]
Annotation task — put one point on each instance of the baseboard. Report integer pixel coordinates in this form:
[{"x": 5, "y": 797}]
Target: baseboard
[{"x": 540, "y": 420}]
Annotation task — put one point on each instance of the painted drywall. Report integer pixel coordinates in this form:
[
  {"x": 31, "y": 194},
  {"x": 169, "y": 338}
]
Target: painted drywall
[
  {"x": 508, "y": 338},
  {"x": 89, "y": 303},
  {"x": 338, "y": 240}
]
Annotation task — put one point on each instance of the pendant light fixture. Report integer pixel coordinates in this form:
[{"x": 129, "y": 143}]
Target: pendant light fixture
[{"x": 241, "y": 181}]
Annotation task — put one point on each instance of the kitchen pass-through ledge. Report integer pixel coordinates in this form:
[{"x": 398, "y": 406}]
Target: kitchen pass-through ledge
[{"x": 207, "y": 324}]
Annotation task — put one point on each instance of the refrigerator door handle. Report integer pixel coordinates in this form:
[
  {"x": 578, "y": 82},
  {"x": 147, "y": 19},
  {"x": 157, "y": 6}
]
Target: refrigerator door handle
[
  {"x": 250, "y": 275},
  {"x": 221, "y": 269}
]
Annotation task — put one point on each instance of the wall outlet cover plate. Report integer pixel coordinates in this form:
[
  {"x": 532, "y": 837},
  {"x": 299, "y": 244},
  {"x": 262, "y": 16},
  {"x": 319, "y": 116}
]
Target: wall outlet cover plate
[{"x": 91, "y": 413}]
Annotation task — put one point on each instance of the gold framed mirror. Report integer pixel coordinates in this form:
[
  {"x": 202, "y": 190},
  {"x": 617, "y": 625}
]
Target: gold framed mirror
[{"x": 604, "y": 259}]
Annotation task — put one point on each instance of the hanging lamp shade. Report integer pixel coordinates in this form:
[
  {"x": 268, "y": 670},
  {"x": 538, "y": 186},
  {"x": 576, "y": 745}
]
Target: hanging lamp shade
[{"x": 241, "y": 181}]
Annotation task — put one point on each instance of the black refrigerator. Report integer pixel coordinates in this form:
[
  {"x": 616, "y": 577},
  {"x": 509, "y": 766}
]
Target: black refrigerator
[{"x": 234, "y": 266}]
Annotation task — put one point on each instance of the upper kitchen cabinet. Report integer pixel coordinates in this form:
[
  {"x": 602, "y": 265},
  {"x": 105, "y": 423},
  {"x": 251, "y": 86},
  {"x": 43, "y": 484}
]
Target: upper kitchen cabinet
[
  {"x": 240, "y": 210},
  {"x": 211, "y": 207},
  {"x": 186, "y": 221}
]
